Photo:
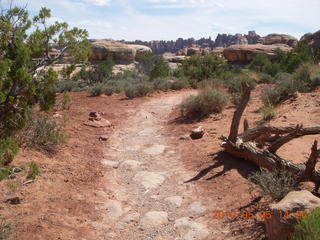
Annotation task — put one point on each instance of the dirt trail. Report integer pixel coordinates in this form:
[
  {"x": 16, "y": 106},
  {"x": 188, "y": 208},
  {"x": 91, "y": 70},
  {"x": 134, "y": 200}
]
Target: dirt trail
[{"x": 148, "y": 197}]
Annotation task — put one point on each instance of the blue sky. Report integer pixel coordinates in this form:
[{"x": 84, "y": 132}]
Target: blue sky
[{"x": 170, "y": 19}]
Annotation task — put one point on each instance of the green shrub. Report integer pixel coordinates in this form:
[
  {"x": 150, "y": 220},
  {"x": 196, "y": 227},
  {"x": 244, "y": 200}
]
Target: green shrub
[
  {"x": 97, "y": 90},
  {"x": 8, "y": 150},
  {"x": 235, "y": 86},
  {"x": 179, "y": 84},
  {"x": 162, "y": 84},
  {"x": 315, "y": 79},
  {"x": 210, "y": 84},
  {"x": 206, "y": 102},
  {"x": 109, "y": 90},
  {"x": 274, "y": 184},
  {"x": 308, "y": 228},
  {"x": 34, "y": 171},
  {"x": 268, "y": 112},
  {"x": 66, "y": 86},
  {"x": 138, "y": 90},
  {"x": 160, "y": 69},
  {"x": 203, "y": 67},
  {"x": 43, "y": 134},
  {"x": 5, "y": 229},
  {"x": 265, "y": 78},
  {"x": 5, "y": 171},
  {"x": 66, "y": 100}
]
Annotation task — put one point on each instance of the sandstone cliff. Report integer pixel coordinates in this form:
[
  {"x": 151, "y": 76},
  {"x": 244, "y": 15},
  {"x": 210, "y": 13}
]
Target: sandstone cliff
[{"x": 121, "y": 53}]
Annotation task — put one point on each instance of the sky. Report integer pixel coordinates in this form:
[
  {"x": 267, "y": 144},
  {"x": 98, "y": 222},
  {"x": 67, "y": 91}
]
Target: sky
[{"x": 171, "y": 19}]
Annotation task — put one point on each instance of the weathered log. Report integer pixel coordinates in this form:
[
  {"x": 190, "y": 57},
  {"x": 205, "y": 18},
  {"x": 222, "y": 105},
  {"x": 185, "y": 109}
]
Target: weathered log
[
  {"x": 238, "y": 113},
  {"x": 311, "y": 163},
  {"x": 250, "y": 145},
  {"x": 265, "y": 159},
  {"x": 256, "y": 132}
]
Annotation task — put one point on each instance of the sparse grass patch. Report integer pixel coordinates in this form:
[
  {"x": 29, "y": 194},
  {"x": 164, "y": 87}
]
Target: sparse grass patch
[
  {"x": 43, "y": 134},
  {"x": 5, "y": 229},
  {"x": 97, "y": 90},
  {"x": 12, "y": 185},
  {"x": 206, "y": 102},
  {"x": 274, "y": 184},
  {"x": 8, "y": 150},
  {"x": 5, "y": 172},
  {"x": 140, "y": 89},
  {"x": 308, "y": 228},
  {"x": 34, "y": 171},
  {"x": 66, "y": 100},
  {"x": 268, "y": 112}
]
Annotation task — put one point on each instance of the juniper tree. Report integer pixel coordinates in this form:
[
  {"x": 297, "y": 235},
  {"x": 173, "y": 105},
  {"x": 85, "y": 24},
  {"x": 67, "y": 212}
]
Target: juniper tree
[
  {"x": 26, "y": 77},
  {"x": 25, "y": 74}
]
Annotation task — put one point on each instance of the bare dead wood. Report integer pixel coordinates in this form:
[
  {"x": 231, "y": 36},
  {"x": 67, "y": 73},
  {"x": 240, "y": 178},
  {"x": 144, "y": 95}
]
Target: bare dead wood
[
  {"x": 254, "y": 133},
  {"x": 238, "y": 113},
  {"x": 245, "y": 125},
  {"x": 312, "y": 161},
  {"x": 284, "y": 139},
  {"x": 251, "y": 144}
]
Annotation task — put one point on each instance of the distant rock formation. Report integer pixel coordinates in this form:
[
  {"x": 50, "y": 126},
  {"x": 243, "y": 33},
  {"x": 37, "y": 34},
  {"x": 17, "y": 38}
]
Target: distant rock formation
[
  {"x": 222, "y": 40},
  {"x": 121, "y": 53},
  {"x": 313, "y": 39},
  {"x": 278, "y": 39},
  {"x": 246, "y": 53}
]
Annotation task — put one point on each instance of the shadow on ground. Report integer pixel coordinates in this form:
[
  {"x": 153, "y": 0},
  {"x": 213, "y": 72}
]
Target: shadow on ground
[{"x": 228, "y": 162}]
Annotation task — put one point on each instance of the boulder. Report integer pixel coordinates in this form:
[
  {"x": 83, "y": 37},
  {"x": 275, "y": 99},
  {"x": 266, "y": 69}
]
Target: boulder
[
  {"x": 313, "y": 39},
  {"x": 246, "y": 53},
  {"x": 197, "y": 133},
  {"x": 286, "y": 213},
  {"x": 278, "y": 38},
  {"x": 121, "y": 53},
  {"x": 140, "y": 50}
]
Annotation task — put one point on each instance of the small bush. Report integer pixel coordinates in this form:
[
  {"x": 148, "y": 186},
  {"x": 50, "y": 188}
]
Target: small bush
[
  {"x": 43, "y": 134},
  {"x": 274, "y": 184},
  {"x": 179, "y": 84},
  {"x": 206, "y": 102},
  {"x": 210, "y": 84},
  {"x": 5, "y": 172},
  {"x": 97, "y": 90},
  {"x": 5, "y": 229},
  {"x": 8, "y": 150},
  {"x": 268, "y": 112},
  {"x": 34, "y": 171},
  {"x": 138, "y": 90},
  {"x": 315, "y": 79},
  {"x": 66, "y": 100},
  {"x": 235, "y": 84},
  {"x": 265, "y": 78},
  {"x": 162, "y": 84},
  {"x": 66, "y": 86},
  {"x": 308, "y": 228}
]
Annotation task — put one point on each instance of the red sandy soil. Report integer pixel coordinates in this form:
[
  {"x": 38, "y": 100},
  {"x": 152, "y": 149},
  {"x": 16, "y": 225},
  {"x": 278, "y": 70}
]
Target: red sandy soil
[{"x": 61, "y": 203}]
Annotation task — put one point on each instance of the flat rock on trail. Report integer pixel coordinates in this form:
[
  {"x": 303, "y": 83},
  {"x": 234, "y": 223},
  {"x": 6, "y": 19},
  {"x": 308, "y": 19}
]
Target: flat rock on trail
[{"x": 148, "y": 196}]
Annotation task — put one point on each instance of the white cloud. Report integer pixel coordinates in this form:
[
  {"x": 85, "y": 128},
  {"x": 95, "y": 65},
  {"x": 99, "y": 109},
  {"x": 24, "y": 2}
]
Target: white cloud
[
  {"x": 170, "y": 19},
  {"x": 99, "y": 2}
]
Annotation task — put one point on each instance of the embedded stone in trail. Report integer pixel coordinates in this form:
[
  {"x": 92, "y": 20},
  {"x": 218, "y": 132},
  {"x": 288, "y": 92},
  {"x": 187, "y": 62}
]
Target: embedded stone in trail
[
  {"x": 197, "y": 231},
  {"x": 131, "y": 163},
  {"x": 131, "y": 217},
  {"x": 155, "y": 149},
  {"x": 114, "y": 209},
  {"x": 149, "y": 179},
  {"x": 175, "y": 200},
  {"x": 154, "y": 219},
  {"x": 147, "y": 131},
  {"x": 197, "y": 207},
  {"x": 108, "y": 163}
]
